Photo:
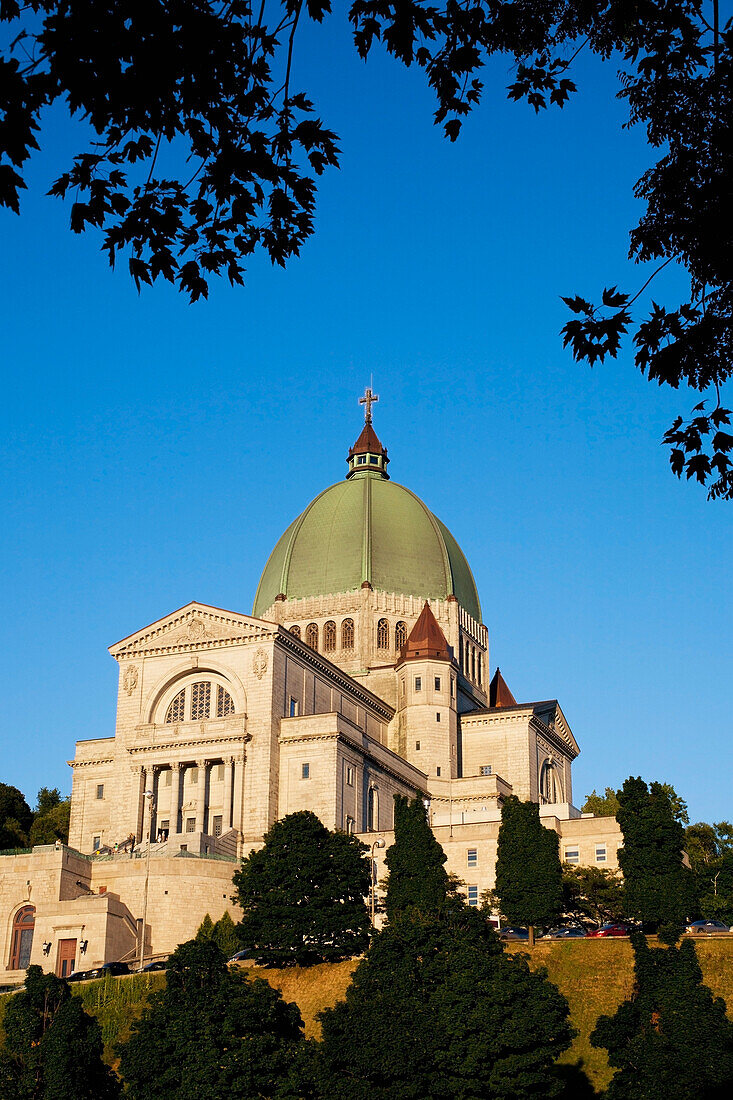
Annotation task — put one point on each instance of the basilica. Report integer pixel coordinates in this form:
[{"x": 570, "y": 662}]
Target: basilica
[{"x": 363, "y": 672}]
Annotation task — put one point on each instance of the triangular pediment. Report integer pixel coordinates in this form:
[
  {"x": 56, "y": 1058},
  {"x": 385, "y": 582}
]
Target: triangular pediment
[{"x": 192, "y": 628}]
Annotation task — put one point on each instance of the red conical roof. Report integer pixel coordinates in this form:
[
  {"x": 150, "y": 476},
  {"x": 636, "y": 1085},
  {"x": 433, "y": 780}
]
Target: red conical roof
[
  {"x": 426, "y": 639},
  {"x": 367, "y": 443},
  {"x": 499, "y": 693}
]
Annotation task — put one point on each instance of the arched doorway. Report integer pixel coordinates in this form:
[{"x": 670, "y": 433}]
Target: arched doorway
[{"x": 21, "y": 940}]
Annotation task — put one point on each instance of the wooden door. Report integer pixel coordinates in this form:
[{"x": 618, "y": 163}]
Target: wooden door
[{"x": 66, "y": 961}]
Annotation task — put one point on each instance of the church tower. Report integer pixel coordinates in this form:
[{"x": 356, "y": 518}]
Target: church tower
[{"x": 427, "y": 709}]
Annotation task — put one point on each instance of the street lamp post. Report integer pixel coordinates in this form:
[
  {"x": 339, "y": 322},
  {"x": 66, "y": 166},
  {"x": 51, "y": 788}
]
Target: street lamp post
[
  {"x": 378, "y": 843},
  {"x": 151, "y": 806}
]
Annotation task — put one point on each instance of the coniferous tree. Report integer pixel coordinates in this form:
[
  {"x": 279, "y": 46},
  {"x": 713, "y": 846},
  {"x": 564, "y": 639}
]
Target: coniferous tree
[
  {"x": 528, "y": 869},
  {"x": 658, "y": 889},
  {"x": 441, "y": 1012},
  {"x": 213, "y": 1034},
  {"x": 53, "y": 1048},
  {"x": 672, "y": 1038},
  {"x": 205, "y": 930},
  {"x": 225, "y": 935},
  {"x": 417, "y": 875},
  {"x": 302, "y": 894}
]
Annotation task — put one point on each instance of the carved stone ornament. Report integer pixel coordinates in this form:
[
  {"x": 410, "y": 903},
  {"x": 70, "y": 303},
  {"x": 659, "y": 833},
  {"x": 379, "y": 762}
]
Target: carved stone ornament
[
  {"x": 129, "y": 680},
  {"x": 259, "y": 663}
]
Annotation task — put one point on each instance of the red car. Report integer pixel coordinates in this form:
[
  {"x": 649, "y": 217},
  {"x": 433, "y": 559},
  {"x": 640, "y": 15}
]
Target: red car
[{"x": 610, "y": 928}]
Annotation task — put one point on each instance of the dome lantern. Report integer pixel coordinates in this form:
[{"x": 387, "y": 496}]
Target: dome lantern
[{"x": 368, "y": 454}]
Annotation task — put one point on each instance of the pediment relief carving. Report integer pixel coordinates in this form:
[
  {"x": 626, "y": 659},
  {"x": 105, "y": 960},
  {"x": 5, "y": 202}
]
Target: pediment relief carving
[{"x": 194, "y": 627}]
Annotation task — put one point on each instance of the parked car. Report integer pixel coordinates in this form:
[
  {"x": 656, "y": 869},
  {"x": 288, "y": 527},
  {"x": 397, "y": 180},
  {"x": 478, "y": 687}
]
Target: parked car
[
  {"x": 79, "y": 976},
  {"x": 513, "y": 934},
  {"x": 610, "y": 928},
  {"x": 157, "y": 964},
  {"x": 112, "y": 968},
  {"x": 707, "y": 927},
  {"x": 565, "y": 932},
  {"x": 239, "y": 956}
]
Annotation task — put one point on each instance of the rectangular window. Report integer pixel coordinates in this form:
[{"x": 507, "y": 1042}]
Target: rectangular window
[
  {"x": 350, "y": 777},
  {"x": 165, "y": 826},
  {"x": 437, "y": 683},
  {"x": 452, "y": 687},
  {"x": 572, "y": 855},
  {"x": 473, "y": 895},
  {"x": 96, "y": 843},
  {"x": 100, "y": 790},
  {"x": 361, "y": 460},
  {"x": 472, "y": 857},
  {"x": 485, "y": 769},
  {"x": 437, "y": 771},
  {"x": 417, "y": 746},
  {"x": 293, "y": 708},
  {"x": 217, "y": 826},
  {"x": 305, "y": 771},
  {"x": 600, "y": 853},
  {"x": 191, "y": 825},
  {"x": 418, "y": 683},
  {"x": 437, "y": 716},
  {"x": 402, "y": 686}
]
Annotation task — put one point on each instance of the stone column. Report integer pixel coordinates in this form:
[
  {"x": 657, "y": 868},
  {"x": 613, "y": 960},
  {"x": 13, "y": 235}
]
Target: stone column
[
  {"x": 238, "y": 793},
  {"x": 175, "y": 796},
  {"x": 201, "y": 797},
  {"x": 154, "y": 783},
  {"x": 140, "y": 820},
  {"x": 226, "y": 821}
]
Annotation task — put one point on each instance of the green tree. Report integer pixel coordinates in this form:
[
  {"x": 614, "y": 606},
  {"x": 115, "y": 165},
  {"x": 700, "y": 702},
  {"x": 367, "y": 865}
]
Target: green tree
[
  {"x": 52, "y": 825},
  {"x": 528, "y": 870},
  {"x": 205, "y": 929},
  {"x": 417, "y": 875},
  {"x": 208, "y": 84},
  {"x": 658, "y": 889},
  {"x": 592, "y": 893},
  {"x": 302, "y": 894},
  {"x": 225, "y": 935},
  {"x": 53, "y": 1048},
  {"x": 15, "y": 817},
  {"x": 48, "y": 798},
  {"x": 671, "y": 1038},
  {"x": 438, "y": 1011},
  {"x": 602, "y": 805},
  {"x": 212, "y": 1033}
]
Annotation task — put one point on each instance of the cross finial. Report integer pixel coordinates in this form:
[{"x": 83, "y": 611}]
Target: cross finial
[{"x": 368, "y": 399}]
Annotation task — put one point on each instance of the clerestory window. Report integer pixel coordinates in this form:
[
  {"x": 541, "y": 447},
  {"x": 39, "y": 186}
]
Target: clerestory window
[
  {"x": 400, "y": 635},
  {"x": 347, "y": 634},
  {"x": 382, "y": 634},
  {"x": 199, "y": 701},
  {"x": 311, "y": 635},
  {"x": 329, "y": 636}
]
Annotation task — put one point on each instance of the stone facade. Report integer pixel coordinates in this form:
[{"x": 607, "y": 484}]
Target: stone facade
[{"x": 330, "y": 701}]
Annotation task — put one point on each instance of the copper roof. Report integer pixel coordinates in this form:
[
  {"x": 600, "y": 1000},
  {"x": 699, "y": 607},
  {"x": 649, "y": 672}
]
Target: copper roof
[
  {"x": 426, "y": 639},
  {"x": 499, "y": 693},
  {"x": 367, "y": 443}
]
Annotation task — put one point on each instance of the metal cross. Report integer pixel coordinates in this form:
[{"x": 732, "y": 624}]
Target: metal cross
[{"x": 368, "y": 399}]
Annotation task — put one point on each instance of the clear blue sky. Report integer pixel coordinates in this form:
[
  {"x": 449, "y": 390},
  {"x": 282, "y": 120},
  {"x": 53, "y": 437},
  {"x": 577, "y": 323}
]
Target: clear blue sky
[{"x": 154, "y": 451}]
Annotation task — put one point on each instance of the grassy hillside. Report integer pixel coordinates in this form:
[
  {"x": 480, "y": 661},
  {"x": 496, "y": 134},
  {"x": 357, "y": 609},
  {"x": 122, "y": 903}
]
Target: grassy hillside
[{"x": 594, "y": 975}]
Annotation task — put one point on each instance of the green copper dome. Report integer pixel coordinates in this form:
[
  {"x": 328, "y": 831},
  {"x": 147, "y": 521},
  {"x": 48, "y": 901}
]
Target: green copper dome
[{"x": 367, "y": 529}]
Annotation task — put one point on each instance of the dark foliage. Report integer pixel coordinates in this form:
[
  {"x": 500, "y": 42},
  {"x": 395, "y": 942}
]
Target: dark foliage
[
  {"x": 671, "y": 1039},
  {"x": 438, "y": 1011},
  {"x": 201, "y": 151},
  {"x": 592, "y": 894},
  {"x": 601, "y": 805},
  {"x": 710, "y": 850},
  {"x": 528, "y": 870},
  {"x": 223, "y": 934},
  {"x": 302, "y": 894},
  {"x": 213, "y": 1034},
  {"x": 53, "y": 1049},
  {"x": 15, "y": 817},
  {"x": 417, "y": 876},
  {"x": 658, "y": 889}
]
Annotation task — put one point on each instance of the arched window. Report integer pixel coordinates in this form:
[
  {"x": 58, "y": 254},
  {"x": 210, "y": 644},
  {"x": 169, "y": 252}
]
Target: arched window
[
  {"x": 460, "y": 652},
  {"x": 295, "y": 631},
  {"x": 21, "y": 940},
  {"x": 382, "y": 634},
  {"x": 347, "y": 634},
  {"x": 176, "y": 709},
  {"x": 200, "y": 700},
  {"x": 329, "y": 636},
  {"x": 480, "y": 670},
  {"x": 311, "y": 635},
  {"x": 224, "y": 702},
  {"x": 373, "y": 810},
  {"x": 400, "y": 635},
  {"x": 550, "y": 783}
]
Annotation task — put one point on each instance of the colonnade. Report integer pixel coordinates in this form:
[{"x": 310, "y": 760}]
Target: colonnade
[{"x": 194, "y": 815}]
